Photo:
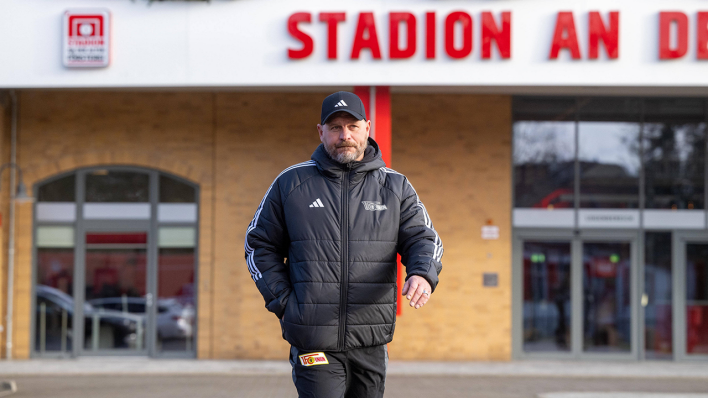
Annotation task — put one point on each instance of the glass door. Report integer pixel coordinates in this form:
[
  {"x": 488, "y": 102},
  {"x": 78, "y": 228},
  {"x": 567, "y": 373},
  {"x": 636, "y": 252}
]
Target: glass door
[
  {"x": 575, "y": 296},
  {"x": 608, "y": 297},
  {"x": 116, "y": 296},
  {"x": 657, "y": 297},
  {"x": 691, "y": 296},
  {"x": 546, "y": 296}
]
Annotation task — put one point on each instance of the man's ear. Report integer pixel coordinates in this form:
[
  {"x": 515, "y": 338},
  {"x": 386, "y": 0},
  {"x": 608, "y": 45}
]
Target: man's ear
[{"x": 320, "y": 131}]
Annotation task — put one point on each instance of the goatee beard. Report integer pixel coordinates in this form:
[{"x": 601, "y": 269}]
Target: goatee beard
[{"x": 346, "y": 156}]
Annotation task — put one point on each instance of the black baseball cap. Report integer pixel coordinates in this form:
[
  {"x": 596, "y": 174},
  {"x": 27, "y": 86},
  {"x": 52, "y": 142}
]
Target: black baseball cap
[{"x": 343, "y": 101}]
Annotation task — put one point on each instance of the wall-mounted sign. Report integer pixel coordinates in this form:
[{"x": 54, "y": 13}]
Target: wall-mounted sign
[
  {"x": 490, "y": 279},
  {"x": 86, "y": 34},
  {"x": 490, "y": 232},
  {"x": 602, "y": 31},
  {"x": 608, "y": 218},
  {"x": 635, "y": 47}
]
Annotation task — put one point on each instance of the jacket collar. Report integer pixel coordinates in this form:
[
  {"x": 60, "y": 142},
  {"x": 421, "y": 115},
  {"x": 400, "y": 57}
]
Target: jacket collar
[{"x": 331, "y": 168}]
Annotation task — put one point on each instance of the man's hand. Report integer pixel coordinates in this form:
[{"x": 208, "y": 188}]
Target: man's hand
[{"x": 414, "y": 291}]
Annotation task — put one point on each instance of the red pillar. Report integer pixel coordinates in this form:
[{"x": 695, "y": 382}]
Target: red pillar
[{"x": 378, "y": 99}]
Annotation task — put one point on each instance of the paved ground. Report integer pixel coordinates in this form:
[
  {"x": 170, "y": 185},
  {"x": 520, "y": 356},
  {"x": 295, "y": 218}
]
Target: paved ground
[
  {"x": 145, "y": 366},
  {"x": 114, "y": 377},
  {"x": 222, "y": 386}
]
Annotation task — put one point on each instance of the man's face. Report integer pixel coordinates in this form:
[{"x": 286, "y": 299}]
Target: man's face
[{"x": 344, "y": 137}]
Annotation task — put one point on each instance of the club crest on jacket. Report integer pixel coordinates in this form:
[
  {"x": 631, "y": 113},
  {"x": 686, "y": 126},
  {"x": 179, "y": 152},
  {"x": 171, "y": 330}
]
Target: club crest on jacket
[{"x": 373, "y": 206}]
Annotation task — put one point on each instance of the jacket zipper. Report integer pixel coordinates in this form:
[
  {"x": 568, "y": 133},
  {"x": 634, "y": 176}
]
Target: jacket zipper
[{"x": 345, "y": 257}]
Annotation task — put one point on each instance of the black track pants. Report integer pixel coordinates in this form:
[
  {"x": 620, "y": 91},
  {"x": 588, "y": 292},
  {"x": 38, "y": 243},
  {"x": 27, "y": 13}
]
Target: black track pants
[{"x": 357, "y": 373}]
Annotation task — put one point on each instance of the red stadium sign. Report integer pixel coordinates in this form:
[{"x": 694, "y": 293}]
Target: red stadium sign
[
  {"x": 461, "y": 34},
  {"x": 86, "y": 35}
]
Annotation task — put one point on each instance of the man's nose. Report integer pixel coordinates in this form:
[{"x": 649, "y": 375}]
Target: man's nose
[{"x": 345, "y": 134}]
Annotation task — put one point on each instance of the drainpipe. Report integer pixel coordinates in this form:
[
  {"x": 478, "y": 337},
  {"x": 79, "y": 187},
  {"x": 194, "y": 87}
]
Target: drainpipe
[{"x": 11, "y": 238}]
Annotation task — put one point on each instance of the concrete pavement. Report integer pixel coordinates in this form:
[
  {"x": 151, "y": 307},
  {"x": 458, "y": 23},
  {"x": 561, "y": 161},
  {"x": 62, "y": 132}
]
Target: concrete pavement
[
  {"x": 397, "y": 386},
  {"x": 143, "y": 366},
  {"x": 115, "y": 377}
]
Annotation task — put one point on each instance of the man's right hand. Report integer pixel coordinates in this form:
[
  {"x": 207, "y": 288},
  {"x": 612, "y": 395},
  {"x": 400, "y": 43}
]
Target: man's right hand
[{"x": 417, "y": 290}]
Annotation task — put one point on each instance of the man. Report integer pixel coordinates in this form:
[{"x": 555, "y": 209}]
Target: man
[{"x": 322, "y": 250}]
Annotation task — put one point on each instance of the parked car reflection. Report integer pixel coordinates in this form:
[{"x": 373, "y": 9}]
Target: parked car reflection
[
  {"x": 103, "y": 328},
  {"x": 174, "y": 320}
]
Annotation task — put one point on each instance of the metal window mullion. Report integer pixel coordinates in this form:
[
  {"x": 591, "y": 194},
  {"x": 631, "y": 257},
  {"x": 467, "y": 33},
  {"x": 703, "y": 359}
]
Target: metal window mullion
[
  {"x": 642, "y": 171},
  {"x": 705, "y": 162},
  {"x": 636, "y": 284},
  {"x": 576, "y": 293},
  {"x": 576, "y": 164},
  {"x": 34, "y": 276},
  {"x": 678, "y": 326},
  {"x": 640, "y": 288},
  {"x": 517, "y": 308},
  {"x": 576, "y": 264},
  {"x": 77, "y": 325},
  {"x": 152, "y": 272},
  {"x": 195, "y": 293}
]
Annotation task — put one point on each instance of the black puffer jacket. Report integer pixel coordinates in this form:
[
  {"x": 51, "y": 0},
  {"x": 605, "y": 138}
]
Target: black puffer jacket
[{"x": 340, "y": 227}]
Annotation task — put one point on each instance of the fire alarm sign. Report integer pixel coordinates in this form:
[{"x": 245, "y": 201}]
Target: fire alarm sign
[{"x": 86, "y": 34}]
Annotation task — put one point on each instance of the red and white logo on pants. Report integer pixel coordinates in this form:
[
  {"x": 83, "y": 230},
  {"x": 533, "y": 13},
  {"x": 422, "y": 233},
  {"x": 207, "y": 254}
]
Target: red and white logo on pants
[{"x": 315, "y": 358}]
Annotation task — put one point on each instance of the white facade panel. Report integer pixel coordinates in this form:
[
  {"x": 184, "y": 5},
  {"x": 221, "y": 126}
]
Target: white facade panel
[
  {"x": 56, "y": 211},
  {"x": 674, "y": 219},
  {"x": 608, "y": 218},
  {"x": 245, "y": 43},
  {"x": 542, "y": 218},
  {"x": 177, "y": 212},
  {"x": 117, "y": 211}
]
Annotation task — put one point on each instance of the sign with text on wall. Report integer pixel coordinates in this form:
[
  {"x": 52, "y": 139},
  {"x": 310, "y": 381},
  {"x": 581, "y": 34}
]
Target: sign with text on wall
[
  {"x": 490, "y": 232},
  {"x": 86, "y": 38},
  {"x": 516, "y": 46},
  {"x": 403, "y": 29}
]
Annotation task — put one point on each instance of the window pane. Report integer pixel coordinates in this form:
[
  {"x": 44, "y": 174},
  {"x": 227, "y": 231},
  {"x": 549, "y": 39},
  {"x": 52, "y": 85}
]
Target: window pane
[
  {"x": 61, "y": 190},
  {"x": 117, "y": 186},
  {"x": 543, "y": 164},
  {"x": 54, "y": 307},
  {"x": 609, "y": 164},
  {"x": 55, "y": 237},
  {"x": 115, "y": 278},
  {"x": 546, "y": 296},
  {"x": 657, "y": 282},
  {"x": 674, "y": 161},
  {"x": 176, "y": 309},
  {"x": 607, "y": 307},
  {"x": 177, "y": 237},
  {"x": 697, "y": 298},
  {"x": 174, "y": 191}
]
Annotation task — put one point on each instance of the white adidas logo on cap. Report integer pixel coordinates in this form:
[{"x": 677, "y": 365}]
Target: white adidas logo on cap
[{"x": 341, "y": 103}]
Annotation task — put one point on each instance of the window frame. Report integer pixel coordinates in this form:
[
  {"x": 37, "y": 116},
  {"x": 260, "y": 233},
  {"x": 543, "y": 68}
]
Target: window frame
[{"x": 82, "y": 226}]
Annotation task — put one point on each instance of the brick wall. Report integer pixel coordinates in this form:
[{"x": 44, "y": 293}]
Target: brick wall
[
  {"x": 456, "y": 151},
  {"x": 258, "y": 136},
  {"x": 454, "y": 148},
  {"x": 61, "y": 131}
]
